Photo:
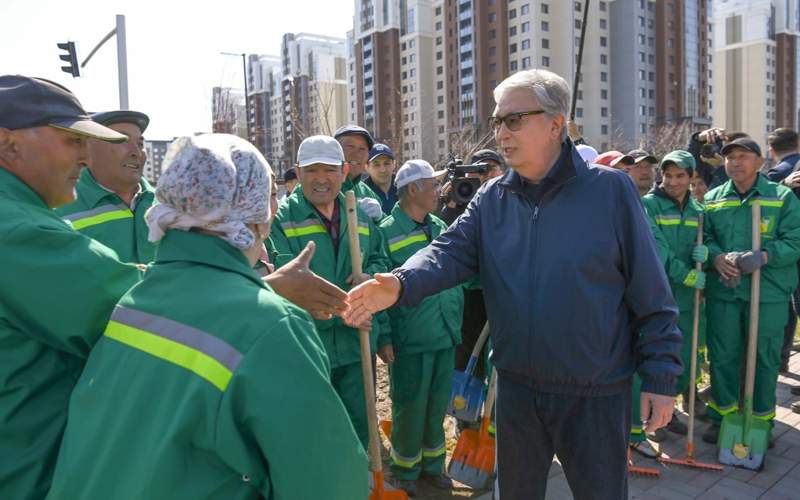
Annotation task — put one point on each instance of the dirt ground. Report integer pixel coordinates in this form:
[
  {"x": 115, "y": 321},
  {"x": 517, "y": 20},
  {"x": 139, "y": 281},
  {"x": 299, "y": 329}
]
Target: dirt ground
[{"x": 424, "y": 490}]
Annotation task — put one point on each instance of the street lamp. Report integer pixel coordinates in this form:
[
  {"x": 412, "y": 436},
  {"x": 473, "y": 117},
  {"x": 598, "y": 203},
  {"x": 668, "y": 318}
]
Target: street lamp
[{"x": 246, "y": 95}]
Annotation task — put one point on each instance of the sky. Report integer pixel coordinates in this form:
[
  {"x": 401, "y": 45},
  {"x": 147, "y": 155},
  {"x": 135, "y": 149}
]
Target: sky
[{"x": 173, "y": 48}]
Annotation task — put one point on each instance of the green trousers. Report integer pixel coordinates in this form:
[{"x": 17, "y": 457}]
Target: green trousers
[
  {"x": 685, "y": 321},
  {"x": 420, "y": 390},
  {"x": 637, "y": 428},
  {"x": 348, "y": 383},
  {"x": 728, "y": 323}
]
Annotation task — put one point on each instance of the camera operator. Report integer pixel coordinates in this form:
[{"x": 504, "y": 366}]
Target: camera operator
[
  {"x": 705, "y": 146},
  {"x": 453, "y": 202}
]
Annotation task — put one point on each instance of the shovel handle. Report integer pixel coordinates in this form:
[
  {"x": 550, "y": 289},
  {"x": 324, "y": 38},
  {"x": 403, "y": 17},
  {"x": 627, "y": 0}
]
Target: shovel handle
[
  {"x": 491, "y": 395},
  {"x": 755, "y": 297},
  {"x": 476, "y": 351},
  {"x": 698, "y": 266},
  {"x": 375, "y": 464}
]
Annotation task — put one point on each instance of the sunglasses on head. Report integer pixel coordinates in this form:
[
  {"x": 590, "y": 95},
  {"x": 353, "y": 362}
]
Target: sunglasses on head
[{"x": 513, "y": 121}]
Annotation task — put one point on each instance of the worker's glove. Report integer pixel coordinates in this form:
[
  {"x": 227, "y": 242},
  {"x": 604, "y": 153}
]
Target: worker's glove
[
  {"x": 371, "y": 207},
  {"x": 695, "y": 279},
  {"x": 732, "y": 282},
  {"x": 747, "y": 262},
  {"x": 700, "y": 253}
]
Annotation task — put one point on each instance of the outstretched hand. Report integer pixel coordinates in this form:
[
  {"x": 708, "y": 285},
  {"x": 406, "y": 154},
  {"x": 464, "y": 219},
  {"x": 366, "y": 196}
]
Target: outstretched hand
[{"x": 371, "y": 297}]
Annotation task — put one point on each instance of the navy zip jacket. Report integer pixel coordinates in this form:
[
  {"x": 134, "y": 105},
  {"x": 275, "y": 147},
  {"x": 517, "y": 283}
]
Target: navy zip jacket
[{"x": 576, "y": 295}]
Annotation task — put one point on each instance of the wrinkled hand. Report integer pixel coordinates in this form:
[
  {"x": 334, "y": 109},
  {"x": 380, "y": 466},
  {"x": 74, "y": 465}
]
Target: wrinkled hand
[
  {"x": 711, "y": 135},
  {"x": 715, "y": 161},
  {"x": 725, "y": 266},
  {"x": 748, "y": 262},
  {"x": 695, "y": 279},
  {"x": 386, "y": 353},
  {"x": 372, "y": 296},
  {"x": 371, "y": 207},
  {"x": 793, "y": 180},
  {"x": 700, "y": 253},
  {"x": 296, "y": 282},
  {"x": 656, "y": 410}
]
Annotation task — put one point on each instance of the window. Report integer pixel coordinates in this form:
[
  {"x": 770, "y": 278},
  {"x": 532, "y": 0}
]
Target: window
[
  {"x": 512, "y": 66},
  {"x": 438, "y": 25},
  {"x": 545, "y": 61},
  {"x": 642, "y": 93},
  {"x": 412, "y": 72},
  {"x": 577, "y": 7},
  {"x": 603, "y": 24},
  {"x": 577, "y": 24},
  {"x": 492, "y": 17},
  {"x": 512, "y": 13},
  {"x": 526, "y": 27},
  {"x": 524, "y": 9},
  {"x": 439, "y": 56},
  {"x": 526, "y": 62},
  {"x": 403, "y": 61},
  {"x": 652, "y": 93},
  {"x": 440, "y": 114},
  {"x": 438, "y": 70},
  {"x": 439, "y": 85},
  {"x": 405, "y": 75},
  {"x": 492, "y": 50},
  {"x": 604, "y": 94},
  {"x": 512, "y": 48},
  {"x": 438, "y": 11},
  {"x": 603, "y": 59},
  {"x": 642, "y": 110},
  {"x": 578, "y": 112},
  {"x": 492, "y": 34},
  {"x": 670, "y": 43},
  {"x": 440, "y": 99},
  {"x": 545, "y": 8},
  {"x": 492, "y": 68},
  {"x": 545, "y": 43},
  {"x": 545, "y": 26},
  {"x": 604, "y": 129},
  {"x": 641, "y": 57},
  {"x": 603, "y": 41},
  {"x": 641, "y": 21},
  {"x": 652, "y": 111},
  {"x": 512, "y": 31},
  {"x": 652, "y": 76},
  {"x": 438, "y": 40},
  {"x": 602, "y": 6},
  {"x": 641, "y": 39},
  {"x": 604, "y": 112},
  {"x": 526, "y": 44},
  {"x": 603, "y": 76}
]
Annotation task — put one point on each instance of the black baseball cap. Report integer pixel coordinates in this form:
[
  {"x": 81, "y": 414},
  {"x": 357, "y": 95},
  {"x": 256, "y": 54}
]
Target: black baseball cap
[
  {"x": 289, "y": 175},
  {"x": 141, "y": 120},
  {"x": 27, "y": 102},
  {"x": 642, "y": 155},
  {"x": 486, "y": 154},
  {"x": 744, "y": 143},
  {"x": 354, "y": 130}
]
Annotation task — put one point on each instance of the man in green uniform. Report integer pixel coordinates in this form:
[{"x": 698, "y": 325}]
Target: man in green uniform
[
  {"x": 57, "y": 288},
  {"x": 423, "y": 337},
  {"x": 356, "y": 143},
  {"x": 206, "y": 384},
  {"x": 728, "y": 237},
  {"x": 676, "y": 215},
  {"x": 317, "y": 213},
  {"x": 112, "y": 194}
]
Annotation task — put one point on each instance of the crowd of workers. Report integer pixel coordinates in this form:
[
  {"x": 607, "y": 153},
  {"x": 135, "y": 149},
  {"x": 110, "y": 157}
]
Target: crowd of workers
[{"x": 196, "y": 340}]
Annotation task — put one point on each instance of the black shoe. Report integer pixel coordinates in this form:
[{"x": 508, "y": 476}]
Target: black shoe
[
  {"x": 795, "y": 390},
  {"x": 771, "y": 442},
  {"x": 659, "y": 436},
  {"x": 711, "y": 435},
  {"x": 410, "y": 487},
  {"x": 441, "y": 481},
  {"x": 784, "y": 366},
  {"x": 675, "y": 426},
  {"x": 796, "y": 407}
]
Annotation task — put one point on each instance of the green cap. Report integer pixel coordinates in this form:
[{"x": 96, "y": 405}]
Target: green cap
[{"x": 679, "y": 158}]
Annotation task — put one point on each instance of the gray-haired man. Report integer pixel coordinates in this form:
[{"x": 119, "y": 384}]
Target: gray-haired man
[{"x": 576, "y": 296}]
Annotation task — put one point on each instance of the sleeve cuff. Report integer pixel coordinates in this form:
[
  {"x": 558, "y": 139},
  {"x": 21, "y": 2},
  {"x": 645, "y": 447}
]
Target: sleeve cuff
[{"x": 664, "y": 387}]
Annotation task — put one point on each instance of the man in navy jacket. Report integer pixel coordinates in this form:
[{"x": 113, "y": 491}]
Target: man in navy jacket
[{"x": 576, "y": 296}]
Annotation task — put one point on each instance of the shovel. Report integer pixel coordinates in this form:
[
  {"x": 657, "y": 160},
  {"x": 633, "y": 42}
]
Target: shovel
[
  {"x": 472, "y": 462},
  {"x": 466, "y": 396},
  {"x": 375, "y": 465},
  {"x": 743, "y": 440},
  {"x": 690, "y": 460}
]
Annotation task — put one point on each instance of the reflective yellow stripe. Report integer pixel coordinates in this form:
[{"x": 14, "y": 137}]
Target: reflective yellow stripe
[
  {"x": 691, "y": 223},
  {"x": 668, "y": 221},
  {"x": 407, "y": 462},
  {"x": 767, "y": 416},
  {"x": 717, "y": 205},
  {"x": 775, "y": 204},
  {"x": 99, "y": 219},
  {"x": 171, "y": 351},
  {"x": 302, "y": 231},
  {"x": 636, "y": 430},
  {"x": 363, "y": 230},
  {"x": 408, "y": 241},
  {"x": 721, "y": 411},
  {"x": 434, "y": 452}
]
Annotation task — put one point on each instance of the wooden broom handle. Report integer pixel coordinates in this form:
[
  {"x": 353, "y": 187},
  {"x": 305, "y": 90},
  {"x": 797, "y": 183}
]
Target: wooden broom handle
[{"x": 755, "y": 297}]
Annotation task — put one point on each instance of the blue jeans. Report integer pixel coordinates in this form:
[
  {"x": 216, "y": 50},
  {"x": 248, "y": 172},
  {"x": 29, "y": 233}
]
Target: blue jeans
[{"x": 589, "y": 435}]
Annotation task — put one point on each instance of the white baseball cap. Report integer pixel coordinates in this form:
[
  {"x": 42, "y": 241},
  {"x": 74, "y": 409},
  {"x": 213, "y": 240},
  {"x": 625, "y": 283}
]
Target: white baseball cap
[
  {"x": 414, "y": 170},
  {"x": 319, "y": 149}
]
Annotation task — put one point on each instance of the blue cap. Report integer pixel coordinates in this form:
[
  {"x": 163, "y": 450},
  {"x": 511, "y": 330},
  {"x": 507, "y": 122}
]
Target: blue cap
[
  {"x": 141, "y": 120},
  {"x": 380, "y": 149},
  {"x": 354, "y": 130}
]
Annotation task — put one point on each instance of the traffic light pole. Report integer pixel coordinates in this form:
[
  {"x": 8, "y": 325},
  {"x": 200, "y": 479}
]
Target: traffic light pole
[{"x": 122, "y": 58}]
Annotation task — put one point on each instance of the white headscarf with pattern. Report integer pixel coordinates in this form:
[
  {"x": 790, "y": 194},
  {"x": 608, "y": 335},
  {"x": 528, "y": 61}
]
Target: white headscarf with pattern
[{"x": 217, "y": 182}]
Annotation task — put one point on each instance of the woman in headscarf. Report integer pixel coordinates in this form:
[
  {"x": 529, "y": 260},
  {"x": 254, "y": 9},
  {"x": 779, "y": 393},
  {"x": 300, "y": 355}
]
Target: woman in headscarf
[{"x": 207, "y": 384}]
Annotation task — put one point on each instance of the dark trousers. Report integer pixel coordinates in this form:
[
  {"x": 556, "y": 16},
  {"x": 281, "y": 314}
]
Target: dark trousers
[
  {"x": 791, "y": 325},
  {"x": 589, "y": 435},
  {"x": 474, "y": 319}
]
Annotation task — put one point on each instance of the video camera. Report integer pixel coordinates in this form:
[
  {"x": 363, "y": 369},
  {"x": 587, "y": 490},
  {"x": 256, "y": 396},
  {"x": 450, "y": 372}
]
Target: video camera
[{"x": 463, "y": 188}]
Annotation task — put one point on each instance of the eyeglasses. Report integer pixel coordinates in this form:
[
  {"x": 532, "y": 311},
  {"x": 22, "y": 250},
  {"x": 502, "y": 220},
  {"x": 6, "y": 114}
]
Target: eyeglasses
[{"x": 512, "y": 120}]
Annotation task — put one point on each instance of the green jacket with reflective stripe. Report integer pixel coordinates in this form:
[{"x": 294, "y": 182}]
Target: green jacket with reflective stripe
[
  {"x": 677, "y": 228},
  {"x": 102, "y": 215},
  {"x": 57, "y": 290},
  {"x": 728, "y": 229},
  {"x": 207, "y": 385},
  {"x": 436, "y": 322},
  {"x": 297, "y": 223},
  {"x": 360, "y": 188}
]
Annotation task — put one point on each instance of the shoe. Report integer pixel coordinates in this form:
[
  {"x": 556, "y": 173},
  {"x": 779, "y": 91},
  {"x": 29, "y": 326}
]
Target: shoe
[
  {"x": 795, "y": 390},
  {"x": 784, "y": 369},
  {"x": 771, "y": 442},
  {"x": 645, "y": 448},
  {"x": 441, "y": 481},
  {"x": 675, "y": 426},
  {"x": 711, "y": 435},
  {"x": 659, "y": 436},
  {"x": 410, "y": 487},
  {"x": 796, "y": 407}
]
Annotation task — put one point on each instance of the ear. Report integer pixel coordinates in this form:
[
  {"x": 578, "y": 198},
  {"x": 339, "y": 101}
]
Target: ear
[
  {"x": 345, "y": 169},
  {"x": 9, "y": 149},
  {"x": 559, "y": 123},
  {"x": 297, "y": 171}
]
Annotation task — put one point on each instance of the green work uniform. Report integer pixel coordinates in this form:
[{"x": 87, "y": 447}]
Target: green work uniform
[
  {"x": 424, "y": 340},
  {"x": 728, "y": 229},
  {"x": 360, "y": 189},
  {"x": 207, "y": 385},
  {"x": 297, "y": 223},
  {"x": 57, "y": 290},
  {"x": 102, "y": 215},
  {"x": 677, "y": 227}
]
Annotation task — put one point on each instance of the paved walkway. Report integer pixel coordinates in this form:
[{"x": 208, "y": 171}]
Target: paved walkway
[{"x": 780, "y": 478}]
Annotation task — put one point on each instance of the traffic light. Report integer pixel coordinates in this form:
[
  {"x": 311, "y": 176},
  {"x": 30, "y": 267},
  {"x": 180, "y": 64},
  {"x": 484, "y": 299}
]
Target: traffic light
[{"x": 71, "y": 58}]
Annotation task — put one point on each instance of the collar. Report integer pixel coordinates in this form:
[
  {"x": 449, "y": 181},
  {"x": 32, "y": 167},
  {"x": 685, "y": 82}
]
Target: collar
[
  {"x": 760, "y": 186},
  {"x": 788, "y": 158},
  {"x": 369, "y": 182},
  {"x": 661, "y": 193},
  {"x": 305, "y": 209},
  {"x": 349, "y": 183},
  {"x": 14, "y": 188},
  {"x": 405, "y": 223},
  {"x": 191, "y": 246},
  {"x": 92, "y": 192},
  {"x": 567, "y": 166}
]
